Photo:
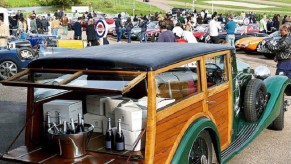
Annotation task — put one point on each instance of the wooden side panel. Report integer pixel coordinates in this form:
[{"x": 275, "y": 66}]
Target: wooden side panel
[
  {"x": 219, "y": 110},
  {"x": 169, "y": 128}
]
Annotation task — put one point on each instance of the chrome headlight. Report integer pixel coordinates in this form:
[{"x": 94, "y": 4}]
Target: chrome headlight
[{"x": 262, "y": 72}]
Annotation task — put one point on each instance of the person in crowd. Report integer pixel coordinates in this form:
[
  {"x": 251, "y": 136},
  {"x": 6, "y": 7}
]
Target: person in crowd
[
  {"x": 284, "y": 19},
  {"x": 220, "y": 19},
  {"x": 166, "y": 35},
  {"x": 89, "y": 16},
  {"x": 128, "y": 27},
  {"x": 14, "y": 25},
  {"x": 214, "y": 28},
  {"x": 4, "y": 32},
  {"x": 170, "y": 22},
  {"x": 263, "y": 24},
  {"x": 135, "y": 18},
  {"x": 178, "y": 32},
  {"x": 270, "y": 25},
  {"x": 180, "y": 18},
  {"x": 55, "y": 25},
  {"x": 118, "y": 28},
  {"x": 230, "y": 29},
  {"x": 91, "y": 33},
  {"x": 199, "y": 19},
  {"x": 276, "y": 23},
  {"x": 33, "y": 26},
  {"x": 189, "y": 25},
  {"x": 143, "y": 24},
  {"x": 49, "y": 18},
  {"x": 188, "y": 36},
  {"x": 38, "y": 25},
  {"x": 44, "y": 24},
  {"x": 64, "y": 23},
  {"x": 282, "y": 50},
  {"x": 22, "y": 25},
  {"x": 78, "y": 29}
]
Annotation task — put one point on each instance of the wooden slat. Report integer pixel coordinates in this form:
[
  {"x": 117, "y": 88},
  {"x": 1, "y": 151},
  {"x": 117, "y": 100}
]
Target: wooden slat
[
  {"x": 180, "y": 112},
  {"x": 36, "y": 156},
  {"x": 178, "y": 119},
  {"x": 71, "y": 78},
  {"x": 151, "y": 120},
  {"x": 133, "y": 82},
  {"x": 20, "y": 151},
  {"x": 26, "y": 71},
  {"x": 168, "y": 143},
  {"x": 178, "y": 106},
  {"x": 169, "y": 132},
  {"x": 29, "y": 112},
  {"x": 215, "y": 90}
]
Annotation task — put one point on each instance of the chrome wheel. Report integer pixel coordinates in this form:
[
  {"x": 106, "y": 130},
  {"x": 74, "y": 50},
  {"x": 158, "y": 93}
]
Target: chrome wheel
[
  {"x": 26, "y": 53},
  {"x": 7, "y": 69}
]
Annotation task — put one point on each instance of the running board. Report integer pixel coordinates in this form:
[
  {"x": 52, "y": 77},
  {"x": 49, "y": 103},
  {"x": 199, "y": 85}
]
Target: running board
[{"x": 245, "y": 134}]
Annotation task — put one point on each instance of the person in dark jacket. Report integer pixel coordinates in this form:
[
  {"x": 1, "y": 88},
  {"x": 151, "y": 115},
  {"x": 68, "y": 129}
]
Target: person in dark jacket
[
  {"x": 44, "y": 24},
  {"x": 283, "y": 51},
  {"x": 78, "y": 30},
  {"x": 91, "y": 33},
  {"x": 118, "y": 27},
  {"x": 143, "y": 24},
  {"x": 276, "y": 23},
  {"x": 38, "y": 25},
  {"x": 128, "y": 27},
  {"x": 166, "y": 35}
]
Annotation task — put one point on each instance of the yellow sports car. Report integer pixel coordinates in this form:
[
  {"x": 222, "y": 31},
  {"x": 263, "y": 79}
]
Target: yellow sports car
[{"x": 250, "y": 44}]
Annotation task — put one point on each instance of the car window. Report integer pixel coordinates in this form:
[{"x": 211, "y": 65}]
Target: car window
[
  {"x": 216, "y": 71},
  {"x": 179, "y": 83}
]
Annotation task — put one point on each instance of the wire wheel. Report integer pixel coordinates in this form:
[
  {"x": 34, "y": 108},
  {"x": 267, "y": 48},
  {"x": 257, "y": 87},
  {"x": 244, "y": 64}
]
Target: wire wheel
[
  {"x": 201, "y": 151},
  {"x": 7, "y": 69}
]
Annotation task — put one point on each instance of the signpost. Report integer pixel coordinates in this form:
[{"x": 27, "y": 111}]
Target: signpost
[{"x": 101, "y": 29}]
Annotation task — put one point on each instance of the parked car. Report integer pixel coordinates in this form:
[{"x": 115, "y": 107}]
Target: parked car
[
  {"x": 250, "y": 44},
  {"x": 12, "y": 61},
  {"x": 136, "y": 31},
  {"x": 189, "y": 103}
]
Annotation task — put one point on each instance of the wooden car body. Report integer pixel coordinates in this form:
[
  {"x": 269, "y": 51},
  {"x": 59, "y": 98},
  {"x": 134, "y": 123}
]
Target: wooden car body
[{"x": 205, "y": 82}]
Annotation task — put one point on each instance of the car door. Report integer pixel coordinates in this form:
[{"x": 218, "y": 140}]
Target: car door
[{"x": 218, "y": 93}]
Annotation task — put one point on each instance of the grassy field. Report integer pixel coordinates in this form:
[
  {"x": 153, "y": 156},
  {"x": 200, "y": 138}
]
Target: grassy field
[
  {"x": 21, "y": 3},
  {"x": 277, "y": 9},
  {"x": 106, "y": 6}
]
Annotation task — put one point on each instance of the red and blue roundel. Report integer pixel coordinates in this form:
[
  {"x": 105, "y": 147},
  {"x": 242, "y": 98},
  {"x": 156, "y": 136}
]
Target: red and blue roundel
[{"x": 101, "y": 29}]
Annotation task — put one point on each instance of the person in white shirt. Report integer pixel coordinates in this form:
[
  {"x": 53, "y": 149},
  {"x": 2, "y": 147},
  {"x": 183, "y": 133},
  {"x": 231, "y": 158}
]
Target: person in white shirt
[
  {"x": 214, "y": 28},
  {"x": 187, "y": 35}
]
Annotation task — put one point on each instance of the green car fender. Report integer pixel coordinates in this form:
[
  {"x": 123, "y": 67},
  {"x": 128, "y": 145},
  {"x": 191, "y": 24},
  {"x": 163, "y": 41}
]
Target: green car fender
[
  {"x": 183, "y": 150},
  {"x": 276, "y": 86}
]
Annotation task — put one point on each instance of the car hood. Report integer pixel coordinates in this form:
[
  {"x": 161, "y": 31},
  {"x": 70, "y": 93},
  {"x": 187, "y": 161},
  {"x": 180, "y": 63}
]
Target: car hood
[{"x": 249, "y": 40}]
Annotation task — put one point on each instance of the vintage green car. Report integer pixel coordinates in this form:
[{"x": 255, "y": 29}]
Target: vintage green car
[{"x": 202, "y": 105}]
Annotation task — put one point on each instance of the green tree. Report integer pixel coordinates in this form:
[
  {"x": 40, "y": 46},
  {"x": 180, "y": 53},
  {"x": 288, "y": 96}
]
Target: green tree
[
  {"x": 65, "y": 2},
  {"x": 3, "y": 3}
]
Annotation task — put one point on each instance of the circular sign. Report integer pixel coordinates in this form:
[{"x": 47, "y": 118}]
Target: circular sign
[{"x": 100, "y": 27}]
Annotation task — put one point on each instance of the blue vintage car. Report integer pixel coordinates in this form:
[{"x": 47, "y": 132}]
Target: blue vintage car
[{"x": 11, "y": 62}]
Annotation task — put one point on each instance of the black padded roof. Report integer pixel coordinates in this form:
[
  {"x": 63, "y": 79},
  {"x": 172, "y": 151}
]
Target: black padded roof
[{"x": 143, "y": 57}]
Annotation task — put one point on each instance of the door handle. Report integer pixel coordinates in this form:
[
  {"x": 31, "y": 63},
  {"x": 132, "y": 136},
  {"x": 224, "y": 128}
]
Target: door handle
[{"x": 210, "y": 102}]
